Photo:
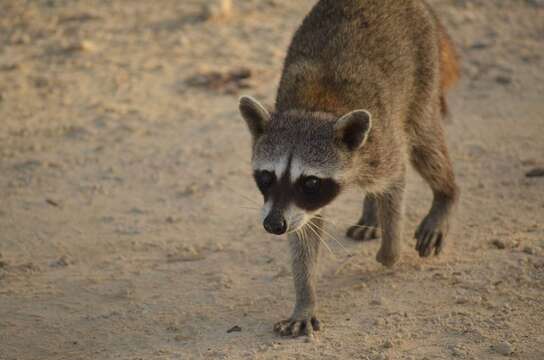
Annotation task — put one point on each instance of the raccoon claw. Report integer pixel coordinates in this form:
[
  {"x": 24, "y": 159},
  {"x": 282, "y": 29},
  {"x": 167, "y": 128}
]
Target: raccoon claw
[
  {"x": 296, "y": 328},
  {"x": 363, "y": 233},
  {"x": 429, "y": 241}
]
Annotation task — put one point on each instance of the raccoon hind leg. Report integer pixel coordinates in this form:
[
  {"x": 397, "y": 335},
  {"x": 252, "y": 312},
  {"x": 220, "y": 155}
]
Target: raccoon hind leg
[
  {"x": 430, "y": 158},
  {"x": 367, "y": 228}
]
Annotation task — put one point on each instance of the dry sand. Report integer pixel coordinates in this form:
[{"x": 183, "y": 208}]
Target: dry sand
[{"x": 128, "y": 227}]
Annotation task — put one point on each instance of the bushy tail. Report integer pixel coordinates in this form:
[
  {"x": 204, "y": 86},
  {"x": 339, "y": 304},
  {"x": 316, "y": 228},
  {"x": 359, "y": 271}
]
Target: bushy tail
[
  {"x": 449, "y": 61},
  {"x": 449, "y": 67}
]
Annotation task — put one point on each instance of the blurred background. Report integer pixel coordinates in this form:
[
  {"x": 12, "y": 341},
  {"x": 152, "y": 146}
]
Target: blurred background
[{"x": 130, "y": 225}]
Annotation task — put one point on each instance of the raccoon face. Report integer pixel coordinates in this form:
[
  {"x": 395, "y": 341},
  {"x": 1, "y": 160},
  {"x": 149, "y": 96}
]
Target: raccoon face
[
  {"x": 300, "y": 161},
  {"x": 291, "y": 201}
]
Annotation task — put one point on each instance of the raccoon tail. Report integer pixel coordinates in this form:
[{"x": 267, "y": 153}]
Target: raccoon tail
[{"x": 449, "y": 68}]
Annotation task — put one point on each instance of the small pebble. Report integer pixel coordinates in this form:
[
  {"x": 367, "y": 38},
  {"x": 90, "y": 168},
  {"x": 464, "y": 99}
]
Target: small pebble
[
  {"x": 63, "y": 261},
  {"x": 462, "y": 300},
  {"x": 360, "y": 286},
  {"x": 82, "y": 46},
  {"x": 217, "y": 9},
  {"x": 536, "y": 172},
  {"x": 182, "y": 338},
  {"x": 503, "y": 80},
  {"x": 52, "y": 202},
  {"x": 174, "y": 258},
  {"x": 457, "y": 351},
  {"x": 377, "y": 301},
  {"x": 379, "y": 357},
  {"x": 529, "y": 250},
  {"x": 235, "y": 328},
  {"x": 503, "y": 348},
  {"x": 499, "y": 244}
]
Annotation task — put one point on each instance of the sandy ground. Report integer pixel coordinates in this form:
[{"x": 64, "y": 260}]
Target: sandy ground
[{"x": 128, "y": 227}]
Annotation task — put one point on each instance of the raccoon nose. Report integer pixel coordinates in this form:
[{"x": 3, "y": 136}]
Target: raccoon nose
[{"x": 275, "y": 224}]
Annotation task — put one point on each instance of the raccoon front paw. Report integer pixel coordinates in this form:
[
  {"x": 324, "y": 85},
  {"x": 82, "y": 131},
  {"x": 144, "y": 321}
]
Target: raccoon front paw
[
  {"x": 297, "y": 327},
  {"x": 363, "y": 232},
  {"x": 387, "y": 258},
  {"x": 430, "y": 238}
]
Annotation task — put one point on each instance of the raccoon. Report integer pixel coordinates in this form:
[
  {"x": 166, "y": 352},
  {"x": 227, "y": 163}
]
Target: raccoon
[{"x": 362, "y": 95}]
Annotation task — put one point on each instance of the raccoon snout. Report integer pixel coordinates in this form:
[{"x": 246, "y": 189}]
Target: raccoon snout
[{"x": 275, "y": 224}]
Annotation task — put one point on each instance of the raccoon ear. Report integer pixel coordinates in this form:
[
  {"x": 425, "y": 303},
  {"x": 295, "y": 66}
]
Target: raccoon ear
[
  {"x": 352, "y": 129},
  {"x": 255, "y": 115}
]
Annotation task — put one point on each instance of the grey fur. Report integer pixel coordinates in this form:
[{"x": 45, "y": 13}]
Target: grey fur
[
  {"x": 390, "y": 213},
  {"x": 367, "y": 228},
  {"x": 304, "y": 255},
  {"x": 352, "y": 129},
  {"x": 255, "y": 114},
  {"x": 394, "y": 60}
]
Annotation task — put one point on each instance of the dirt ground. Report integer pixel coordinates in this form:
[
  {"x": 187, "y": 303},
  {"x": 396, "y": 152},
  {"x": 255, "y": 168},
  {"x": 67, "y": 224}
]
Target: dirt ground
[{"x": 128, "y": 227}]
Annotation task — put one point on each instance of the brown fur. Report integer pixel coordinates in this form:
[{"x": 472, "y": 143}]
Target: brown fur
[
  {"x": 449, "y": 61},
  {"x": 392, "y": 58},
  {"x": 319, "y": 96},
  {"x": 395, "y": 59},
  {"x": 449, "y": 68}
]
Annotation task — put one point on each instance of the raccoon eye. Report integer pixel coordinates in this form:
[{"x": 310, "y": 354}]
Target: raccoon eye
[
  {"x": 311, "y": 185},
  {"x": 265, "y": 179}
]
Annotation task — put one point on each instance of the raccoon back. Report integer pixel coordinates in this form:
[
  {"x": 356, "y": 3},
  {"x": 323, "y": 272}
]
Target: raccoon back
[{"x": 379, "y": 55}]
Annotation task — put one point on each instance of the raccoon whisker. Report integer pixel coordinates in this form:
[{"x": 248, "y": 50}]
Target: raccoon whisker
[
  {"x": 295, "y": 221},
  {"x": 324, "y": 220},
  {"x": 331, "y": 222},
  {"x": 303, "y": 234},
  {"x": 331, "y": 236},
  {"x": 324, "y": 243},
  {"x": 295, "y": 230},
  {"x": 292, "y": 231},
  {"x": 321, "y": 217},
  {"x": 299, "y": 232},
  {"x": 310, "y": 226}
]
